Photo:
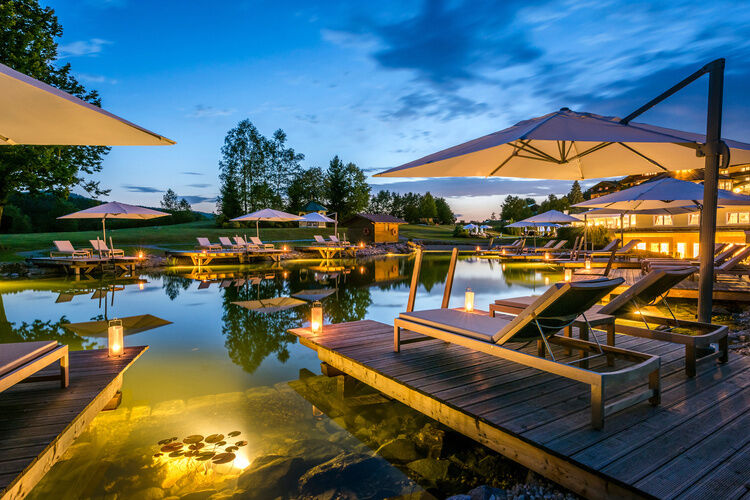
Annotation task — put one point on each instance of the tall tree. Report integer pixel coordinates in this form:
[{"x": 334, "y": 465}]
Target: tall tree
[
  {"x": 170, "y": 201},
  {"x": 514, "y": 209},
  {"x": 28, "y": 44},
  {"x": 381, "y": 203},
  {"x": 575, "y": 195},
  {"x": 307, "y": 185},
  {"x": 347, "y": 191},
  {"x": 444, "y": 212},
  {"x": 427, "y": 207}
]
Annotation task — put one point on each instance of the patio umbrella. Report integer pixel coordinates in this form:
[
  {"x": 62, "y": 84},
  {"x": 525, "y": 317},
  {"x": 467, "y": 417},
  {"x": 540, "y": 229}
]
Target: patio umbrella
[
  {"x": 37, "y": 113},
  {"x": 317, "y": 217},
  {"x": 553, "y": 216},
  {"x": 470, "y": 226},
  {"x": 596, "y": 213},
  {"x": 269, "y": 306},
  {"x": 131, "y": 325},
  {"x": 114, "y": 210},
  {"x": 530, "y": 223},
  {"x": 267, "y": 214}
]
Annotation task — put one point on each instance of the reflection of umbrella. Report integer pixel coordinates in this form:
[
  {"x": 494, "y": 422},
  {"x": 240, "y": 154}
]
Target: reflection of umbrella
[
  {"x": 485, "y": 226},
  {"x": 272, "y": 305},
  {"x": 662, "y": 193},
  {"x": 37, "y": 113},
  {"x": 316, "y": 217},
  {"x": 267, "y": 214},
  {"x": 114, "y": 210},
  {"x": 130, "y": 325},
  {"x": 315, "y": 294}
]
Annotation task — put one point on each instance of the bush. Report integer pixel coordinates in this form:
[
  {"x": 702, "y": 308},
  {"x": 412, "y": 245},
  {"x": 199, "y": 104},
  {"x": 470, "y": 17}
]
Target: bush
[
  {"x": 599, "y": 235},
  {"x": 460, "y": 232}
]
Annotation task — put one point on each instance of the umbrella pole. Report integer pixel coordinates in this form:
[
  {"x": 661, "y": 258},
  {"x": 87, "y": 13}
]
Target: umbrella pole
[
  {"x": 257, "y": 229},
  {"x": 710, "y": 190},
  {"x": 622, "y": 233}
]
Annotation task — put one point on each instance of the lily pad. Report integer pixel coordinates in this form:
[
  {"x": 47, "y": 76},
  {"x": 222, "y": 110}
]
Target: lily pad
[
  {"x": 168, "y": 448},
  {"x": 196, "y": 446},
  {"x": 164, "y": 441},
  {"x": 221, "y": 443},
  {"x": 230, "y": 449},
  {"x": 176, "y": 454},
  {"x": 214, "y": 438},
  {"x": 195, "y": 438},
  {"x": 206, "y": 455},
  {"x": 234, "y": 433},
  {"x": 241, "y": 443},
  {"x": 156, "y": 455},
  {"x": 223, "y": 458}
]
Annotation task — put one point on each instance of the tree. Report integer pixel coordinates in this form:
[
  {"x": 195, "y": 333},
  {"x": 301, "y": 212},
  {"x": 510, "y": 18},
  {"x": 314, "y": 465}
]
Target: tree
[
  {"x": 381, "y": 203},
  {"x": 347, "y": 191},
  {"x": 169, "y": 201},
  {"x": 554, "y": 203},
  {"x": 514, "y": 209},
  {"x": 444, "y": 212},
  {"x": 427, "y": 207},
  {"x": 575, "y": 195},
  {"x": 28, "y": 34},
  {"x": 307, "y": 185}
]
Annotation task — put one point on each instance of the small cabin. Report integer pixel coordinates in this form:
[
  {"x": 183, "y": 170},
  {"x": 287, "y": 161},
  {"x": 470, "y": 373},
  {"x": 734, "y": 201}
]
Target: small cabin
[
  {"x": 313, "y": 207},
  {"x": 373, "y": 228}
]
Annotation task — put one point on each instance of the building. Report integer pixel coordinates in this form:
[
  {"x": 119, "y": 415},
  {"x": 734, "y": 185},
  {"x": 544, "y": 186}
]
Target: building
[
  {"x": 373, "y": 228},
  {"x": 313, "y": 207}
]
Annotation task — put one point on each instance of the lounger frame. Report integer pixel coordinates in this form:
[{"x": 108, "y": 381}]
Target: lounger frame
[{"x": 23, "y": 373}]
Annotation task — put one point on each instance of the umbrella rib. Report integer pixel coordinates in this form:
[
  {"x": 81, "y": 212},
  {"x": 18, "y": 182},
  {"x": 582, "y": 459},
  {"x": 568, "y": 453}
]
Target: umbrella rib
[
  {"x": 654, "y": 162},
  {"x": 531, "y": 149},
  {"x": 592, "y": 149},
  {"x": 510, "y": 157}
]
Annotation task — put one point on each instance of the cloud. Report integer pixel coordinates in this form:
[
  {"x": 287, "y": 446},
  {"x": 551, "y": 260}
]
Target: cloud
[
  {"x": 203, "y": 111},
  {"x": 96, "y": 79},
  {"x": 91, "y": 47},
  {"x": 142, "y": 189},
  {"x": 444, "y": 107},
  {"x": 308, "y": 117},
  {"x": 192, "y": 199},
  {"x": 192, "y": 173},
  {"x": 199, "y": 185}
]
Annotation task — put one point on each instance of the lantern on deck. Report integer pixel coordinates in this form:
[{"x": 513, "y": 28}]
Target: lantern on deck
[
  {"x": 546, "y": 255},
  {"x": 115, "y": 338},
  {"x": 285, "y": 248},
  {"x": 503, "y": 252},
  {"x": 316, "y": 317},
  {"x": 361, "y": 244},
  {"x": 140, "y": 255},
  {"x": 469, "y": 300},
  {"x": 568, "y": 274},
  {"x": 587, "y": 263},
  {"x": 477, "y": 249}
]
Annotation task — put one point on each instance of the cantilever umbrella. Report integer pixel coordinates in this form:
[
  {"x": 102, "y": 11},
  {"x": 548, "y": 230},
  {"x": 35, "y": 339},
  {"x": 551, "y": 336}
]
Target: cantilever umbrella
[
  {"x": 114, "y": 210},
  {"x": 267, "y": 214},
  {"x": 130, "y": 324},
  {"x": 317, "y": 217}
]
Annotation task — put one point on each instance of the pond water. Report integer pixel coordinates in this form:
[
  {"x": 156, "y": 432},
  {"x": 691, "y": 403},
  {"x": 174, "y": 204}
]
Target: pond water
[{"x": 221, "y": 368}]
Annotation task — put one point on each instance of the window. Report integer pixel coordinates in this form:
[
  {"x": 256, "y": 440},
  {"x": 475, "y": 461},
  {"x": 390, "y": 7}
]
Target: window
[
  {"x": 628, "y": 221},
  {"x": 664, "y": 248},
  {"x": 725, "y": 184},
  {"x": 641, "y": 246},
  {"x": 680, "y": 250},
  {"x": 694, "y": 219},
  {"x": 662, "y": 220},
  {"x": 655, "y": 247},
  {"x": 738, "y": 217},
  {"x": 696, "y": 249}
]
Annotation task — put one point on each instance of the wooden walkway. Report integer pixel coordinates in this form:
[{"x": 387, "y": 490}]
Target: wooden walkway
[
  {"x": 694, "y": 445},
  {"x": 39, "y": 421},
  {"x": 736, "y": 289},
  {"x": 88, "y": 265}
]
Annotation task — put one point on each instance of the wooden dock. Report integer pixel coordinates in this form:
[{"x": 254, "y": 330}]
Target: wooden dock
[
  {"x": 205, "y": 257},
  {"x": 88, "y": 265},
  {"x": 39, "y": 421},
  {"x": 734, "y": 289},
  {"x": 694, "y": 445}
]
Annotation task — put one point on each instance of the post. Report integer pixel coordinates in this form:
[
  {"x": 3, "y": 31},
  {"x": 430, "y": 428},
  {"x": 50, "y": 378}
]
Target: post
[
  {"x": 414, "y": 281},
  {"x": 710, "y": 193},
  {"x": 449, "y": 279}
]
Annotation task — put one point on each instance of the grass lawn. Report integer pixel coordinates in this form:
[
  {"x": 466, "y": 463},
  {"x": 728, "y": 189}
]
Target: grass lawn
[{"x": 182, "y": 236}]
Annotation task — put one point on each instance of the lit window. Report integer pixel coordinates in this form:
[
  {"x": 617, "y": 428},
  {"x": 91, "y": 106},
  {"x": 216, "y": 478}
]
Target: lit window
[
  {"x": 655, "y": 247},
  {"x": 680, "y": 250},
  {"x": 641, "y": 246},
  {"x": 696, "y": 249},
  {"x": 664, "y": 248},
  {"x": 694, "y": 219},
  {"x": 738, "y": 218},
  {"x": 632, "y": 220},
  {"x": 662, "y": 220}
]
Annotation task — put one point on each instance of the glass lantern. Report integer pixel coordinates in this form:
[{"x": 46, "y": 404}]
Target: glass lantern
[
  {"x": 115, "y": 338},
  {"x": 469, "y": 300},
  {"x": 316, "y": 317},
  {"x": 587, "y": 263},
  {"x": 568, "y": 274}
]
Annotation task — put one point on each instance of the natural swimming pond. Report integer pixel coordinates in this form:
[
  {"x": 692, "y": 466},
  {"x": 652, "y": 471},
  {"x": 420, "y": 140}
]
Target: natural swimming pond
[{"x": 229, "y": 382}]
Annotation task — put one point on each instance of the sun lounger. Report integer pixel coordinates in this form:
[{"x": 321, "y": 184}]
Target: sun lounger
[
  {"x": 101, "y": 247},
  {"x": 226, "y": 244},
  {"x": 630, "y": 306},
  {"x": 542, "y": 248},
  {"x": 723, "y": 255},
  {"x": 256, "y": 241},
  {"x": 598, "y": 271},
  {"x": 64, "y": 248},
  {"x": 249, "y": 247},
  {"x": 204, "y": 244},
  {"x": 19, "y": 361},
  {"x": 322, "y": 241},
  {"x": 542, "y": 320},
  {"x": 336, "y": 241},
  {"x": 623, "y": 251}
]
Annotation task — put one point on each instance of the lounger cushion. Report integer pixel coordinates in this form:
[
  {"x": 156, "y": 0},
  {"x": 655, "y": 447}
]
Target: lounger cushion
[
  {"x": 472, "y": 325},
  {"x": 18, "y": 354}
]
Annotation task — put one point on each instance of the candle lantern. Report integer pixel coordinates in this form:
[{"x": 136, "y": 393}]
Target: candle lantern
[
  {"x": 361, "y": 244},
  {"x": 568, "y": 275},
  {"x": 140, "y": 255},
  {"x": 546, "y": 255},
  {"x": 503, "y": 252},
  {"x": 469, "y": 300},
  {"x": 588, "y": 263},
  {"x": 286, "y": 248},
  {"x": 316, "y": 317},
  {"x": 115, "y": 339},
  {"x": 477, "y": 249}
]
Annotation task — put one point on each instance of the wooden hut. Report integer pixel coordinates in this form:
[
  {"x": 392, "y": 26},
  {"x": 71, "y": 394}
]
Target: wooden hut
[
  {"x": 373, "y": 228},
  {"x": 312, "y": 207}
]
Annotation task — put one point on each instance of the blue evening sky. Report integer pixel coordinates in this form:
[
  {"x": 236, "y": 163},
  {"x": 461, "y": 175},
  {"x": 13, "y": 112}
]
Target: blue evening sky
[{"x": 382, "y": 83}]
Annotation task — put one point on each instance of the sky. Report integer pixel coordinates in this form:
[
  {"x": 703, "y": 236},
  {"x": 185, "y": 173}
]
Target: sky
[{"x": 383, "y": 83}]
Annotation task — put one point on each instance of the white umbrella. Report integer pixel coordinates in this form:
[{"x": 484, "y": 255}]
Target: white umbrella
[
  {"x": 662, "y": 193},
  {"x": 267, "y": 214},
  {"x": 114, "y": 210},
  {"x": 568, "y": 145},
  {"x": 527, "y": 223},
  {"x": 317, "y": 217},
  {"x": 470, "y": 226},
  {"x": 553, "y": 216},
  {"x": 37, "y": 113}
]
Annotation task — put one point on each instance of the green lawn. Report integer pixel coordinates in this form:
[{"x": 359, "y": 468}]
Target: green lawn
[{"x": 182, "y": 236}]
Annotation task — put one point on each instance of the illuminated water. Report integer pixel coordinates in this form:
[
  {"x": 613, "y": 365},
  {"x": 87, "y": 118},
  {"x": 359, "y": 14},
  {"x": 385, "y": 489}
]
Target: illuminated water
[{"x": 219, "y": 367}]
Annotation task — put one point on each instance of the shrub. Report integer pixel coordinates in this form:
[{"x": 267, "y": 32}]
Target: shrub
[{"x": 599, "y": 235}]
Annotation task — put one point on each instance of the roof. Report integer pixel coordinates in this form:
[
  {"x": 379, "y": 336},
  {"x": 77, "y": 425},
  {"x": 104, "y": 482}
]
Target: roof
[
  {"x": 389, "y": 219},
  {"x": 314, "y": 206}
]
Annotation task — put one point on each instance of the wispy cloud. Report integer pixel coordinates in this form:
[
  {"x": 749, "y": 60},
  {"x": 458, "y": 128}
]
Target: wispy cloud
[
  {"x": 203, "y": 111},
  {"x": 85, "y": 77},
  {"x": 192, "y": 173},
  {"x": 142, "y": 189},
  {"x": 198, "y": 199},
  {"x": 200, "y": 185},
  {"x": 91, "y": 47}
]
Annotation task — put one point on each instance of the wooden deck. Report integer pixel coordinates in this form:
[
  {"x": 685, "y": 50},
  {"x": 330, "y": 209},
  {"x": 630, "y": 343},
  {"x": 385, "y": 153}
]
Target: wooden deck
[
  {"x": 204, "y": 258},
  {"x": 694, "y": 445},
  {"x": 39, "y": 421},
  {"x": 735, "y": 289},
  {"x": 88, "y": 265}
]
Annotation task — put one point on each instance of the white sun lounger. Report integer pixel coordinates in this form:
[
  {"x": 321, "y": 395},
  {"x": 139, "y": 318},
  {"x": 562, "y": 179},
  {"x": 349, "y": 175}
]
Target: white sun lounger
[
  {"x": 19, "y": 361},
  {"x": 205, "y": 244},
  {"x": 65, "y": 249},
  {"x": 101, "y": 247}
]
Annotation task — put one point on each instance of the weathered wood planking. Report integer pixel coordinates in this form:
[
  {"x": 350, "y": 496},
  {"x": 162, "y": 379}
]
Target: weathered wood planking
[
  {"x": 691, "y": 446},
  {"x": 39, "y": 421}
]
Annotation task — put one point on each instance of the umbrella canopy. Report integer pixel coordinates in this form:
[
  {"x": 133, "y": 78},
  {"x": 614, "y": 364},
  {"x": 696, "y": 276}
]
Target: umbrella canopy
[
  {"x": 317, "y": 217},
  {"x": 114, "y": 210},
  {"x": 130, "y": 325},
  {"x": 37, "y": 113},
  {"x": 662, "y": 193},
  {"x": 314, "y": 294},
  {"x": 267, "y": 214},
  {"x": 471, "y": 226},
  {"x": 553, "y": 216},
  {"x": 269, "y": 306},
  {"x": 568, "y": 145},
  {"x": 528, "y": 223},
  {"x": 596, "y": 213},
  {"x": 485, "y": 226}
]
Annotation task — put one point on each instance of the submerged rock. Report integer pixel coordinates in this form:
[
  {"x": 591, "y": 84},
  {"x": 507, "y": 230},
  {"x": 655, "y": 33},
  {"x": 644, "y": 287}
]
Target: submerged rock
[
  {"x": 432, "y": 469},
  {"x": 271, "y": 479},
  {"x": 349, "y": 474},
  {"x": 399, "y": 450}
]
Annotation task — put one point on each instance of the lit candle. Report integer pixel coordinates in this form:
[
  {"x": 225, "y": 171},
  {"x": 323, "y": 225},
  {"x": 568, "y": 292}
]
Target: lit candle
[
  {"x": 587, "y": 263},
  {"x": 503, "y": 252},
  {"x": 568, "y": 275},
  {"x": 361, "y": 244},
  {"x": 140, "y": 255},
  {"x": 286, "y": 248},
  {"x": 477, "y": 249},
  {"x": 115, "y": 338},
  {"x": 546, "y": 255},
  {"x": 316, "y": 317},
  {"x": 469, "y": 300}
]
